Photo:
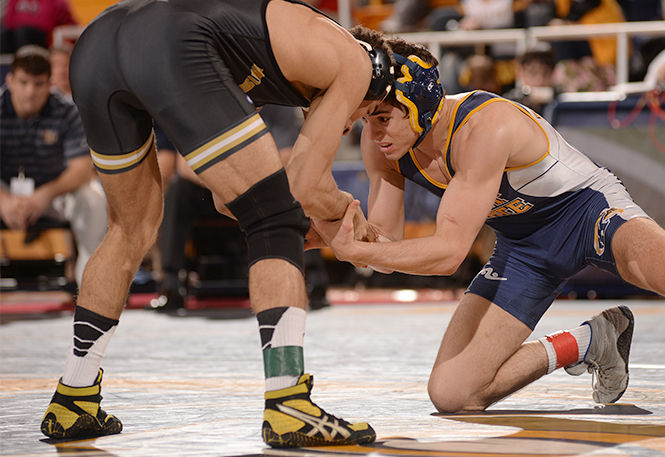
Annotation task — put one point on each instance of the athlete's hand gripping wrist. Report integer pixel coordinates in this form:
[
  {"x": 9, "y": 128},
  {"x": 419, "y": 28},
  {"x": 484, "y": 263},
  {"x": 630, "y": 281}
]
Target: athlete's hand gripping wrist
[{"x": 340, "y": 236}]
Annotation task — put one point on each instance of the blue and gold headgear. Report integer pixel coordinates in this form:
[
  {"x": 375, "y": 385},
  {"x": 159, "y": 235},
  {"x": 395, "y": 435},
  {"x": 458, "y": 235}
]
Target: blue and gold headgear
[{"x": 420, "y": 90}]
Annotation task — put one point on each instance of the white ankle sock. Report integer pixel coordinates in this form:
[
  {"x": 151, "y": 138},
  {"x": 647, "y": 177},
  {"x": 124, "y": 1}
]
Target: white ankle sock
[
  {"x": 566, "y": 347},
  {"x": 92, "y": 333}
]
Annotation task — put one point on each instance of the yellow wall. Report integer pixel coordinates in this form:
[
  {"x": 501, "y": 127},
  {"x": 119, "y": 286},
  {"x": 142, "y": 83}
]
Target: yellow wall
[{"x": 85, "y": 10}]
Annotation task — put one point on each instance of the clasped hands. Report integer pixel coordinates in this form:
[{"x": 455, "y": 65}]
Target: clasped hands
[
  {"x": 20, "y": 212},
  {"x": 343, "y": 235}
]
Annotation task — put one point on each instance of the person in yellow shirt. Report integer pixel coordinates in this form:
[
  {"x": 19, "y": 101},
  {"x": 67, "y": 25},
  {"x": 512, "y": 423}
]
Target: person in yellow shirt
[{"x": 603, "y": 49}]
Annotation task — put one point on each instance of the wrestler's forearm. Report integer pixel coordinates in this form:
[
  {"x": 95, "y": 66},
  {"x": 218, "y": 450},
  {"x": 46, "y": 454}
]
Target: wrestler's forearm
[
  {"x": 419, "y": 256},
  {"x": 325, "y": 203},
  {"x": 313, "y": 185}
]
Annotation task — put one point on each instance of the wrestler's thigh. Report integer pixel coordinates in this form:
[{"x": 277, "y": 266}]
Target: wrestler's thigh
[
  {"x": 638, "y": 247},
  {"x": 481, "y": 336},
  {"x": 235, "y": 174}
]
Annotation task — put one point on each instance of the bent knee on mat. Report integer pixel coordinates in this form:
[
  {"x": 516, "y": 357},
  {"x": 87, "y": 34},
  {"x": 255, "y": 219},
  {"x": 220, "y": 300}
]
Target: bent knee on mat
[
  {"x": 452, "y": 401},
  {"x": 456, "y": 393}
]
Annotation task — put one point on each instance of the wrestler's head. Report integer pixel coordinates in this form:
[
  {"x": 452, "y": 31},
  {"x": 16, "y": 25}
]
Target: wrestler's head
[
  {"x": 419, "y": 89},
  {"x": 383, "y": 79},
  {"x": 418, "y": 92}
]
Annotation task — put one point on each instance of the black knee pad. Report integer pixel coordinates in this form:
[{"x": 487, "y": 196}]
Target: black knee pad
[{"x": 273, "y": 221}]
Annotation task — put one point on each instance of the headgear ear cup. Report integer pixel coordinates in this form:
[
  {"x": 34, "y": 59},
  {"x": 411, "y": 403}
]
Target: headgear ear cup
[
  {"x": 383, "y": 74},
  {"x": 420, "y": 90}
]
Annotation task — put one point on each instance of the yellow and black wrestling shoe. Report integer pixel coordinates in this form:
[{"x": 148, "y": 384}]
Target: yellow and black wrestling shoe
[
  {"x": 291, "y": 419},
  {"x": 74, "y": 412}
]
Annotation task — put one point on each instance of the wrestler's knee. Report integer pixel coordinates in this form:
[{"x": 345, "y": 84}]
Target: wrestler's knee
[
  {"x": 444, "y": 392},
  {"x": 451, "y": 391},
  {"x": 137, "y": 230},
  {"x": 273, "y": 221}
]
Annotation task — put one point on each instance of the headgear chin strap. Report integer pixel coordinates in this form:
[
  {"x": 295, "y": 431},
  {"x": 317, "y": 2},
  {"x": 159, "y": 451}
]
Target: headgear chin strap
[
  {"x": 383, "y": 74},
  {"x": 420, "y": 91}
]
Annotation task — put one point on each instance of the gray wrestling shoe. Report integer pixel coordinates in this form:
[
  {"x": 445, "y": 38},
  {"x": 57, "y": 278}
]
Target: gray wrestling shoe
[{"x": 607, "y": 357}]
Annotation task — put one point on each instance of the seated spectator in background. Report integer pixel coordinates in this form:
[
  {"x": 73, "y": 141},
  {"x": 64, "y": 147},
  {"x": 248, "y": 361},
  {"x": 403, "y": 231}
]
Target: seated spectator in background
[
  {"x": 533, "y": 79},
  {"x": 487, "y": 14},
  {"x": 480, "y": 74},
  {"x": 647, "y": 51},
  {"x": 533, "y": 13},
  {"x": 586, "y": 65},
  {"x": 406, "y": 16},
  {"x": 656, "y": 72},
  {"x": 45, "y": 166},
  {"x": 603, "y": 49},
  {"x": 582, "y": 75},
  {"x": 188, "y": 200},
  {"x": 642, "y": 10},
  {"x": 60, "y": 56},
  {"x": 473, "y": 15},
  {"x": 32, "y": 22}
]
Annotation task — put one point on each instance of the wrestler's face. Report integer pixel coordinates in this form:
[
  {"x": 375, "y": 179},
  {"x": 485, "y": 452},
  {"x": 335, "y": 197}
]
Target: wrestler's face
[
  {"x": 389, "y": 128},
  {"x": 364, "y": 108},
  {"x": 29, "y": 93}
]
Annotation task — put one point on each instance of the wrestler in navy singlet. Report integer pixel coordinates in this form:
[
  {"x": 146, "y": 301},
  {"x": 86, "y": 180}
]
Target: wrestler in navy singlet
[
  {"x": 194, "y": 66},
  {"x": 552, "y": 217}
]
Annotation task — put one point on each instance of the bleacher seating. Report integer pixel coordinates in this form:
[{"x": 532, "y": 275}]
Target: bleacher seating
[{"x": 40, "y": 258}]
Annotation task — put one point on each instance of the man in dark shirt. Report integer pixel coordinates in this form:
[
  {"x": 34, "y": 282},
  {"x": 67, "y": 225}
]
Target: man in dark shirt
[{"x": 44, "y": 163}]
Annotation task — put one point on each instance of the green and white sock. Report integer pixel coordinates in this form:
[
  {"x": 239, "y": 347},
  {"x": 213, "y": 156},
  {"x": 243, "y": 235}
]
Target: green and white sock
[{"x": 282, "y": 332}]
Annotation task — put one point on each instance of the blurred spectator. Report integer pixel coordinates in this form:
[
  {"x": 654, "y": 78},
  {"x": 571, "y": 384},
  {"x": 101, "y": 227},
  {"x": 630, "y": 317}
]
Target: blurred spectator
[
  {"x": 533, "y": 79},
  {"x": 647, "y": 47},
  {"x": 487, "y": 14},
  {"x": 480, "y": 74},
  {"x": 642, "y": 10},
  {"x": 586, "y": 65},
  {"x": 603, "y": 49},
  {"x": 32, "y": 22},
  {"x": 60, "y": 56},
  {"x": 656, "y": 72},
  {"x": 187, "y": 201},
  {"x": 473, "y": 15},
  {"x": 406, "y": 16},
  {"x": 647, "y": 50},
  {"x": 533, "y": 13},
  {"x": 582, "y": 75},
  {"x": 45, "y": 166}
]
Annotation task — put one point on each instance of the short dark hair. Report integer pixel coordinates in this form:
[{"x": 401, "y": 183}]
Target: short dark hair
[
  {"x": 33, "y": 60},
  {"x": 393, "y": 44},
  {"x": 543, "y": 57},
  {"x": 372, "y": 37}
]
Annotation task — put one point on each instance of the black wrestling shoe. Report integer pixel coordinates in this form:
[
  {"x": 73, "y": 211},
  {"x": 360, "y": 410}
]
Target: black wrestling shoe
[
  {"x": 74, "y": 412},
  {"x": 291, "y": 419}
]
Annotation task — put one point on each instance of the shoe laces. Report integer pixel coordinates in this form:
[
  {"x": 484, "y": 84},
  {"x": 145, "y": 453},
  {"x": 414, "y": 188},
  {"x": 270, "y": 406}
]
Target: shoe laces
[
  {"x": 330, "y": 417},
  {"x": 600, "y": 377}
]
